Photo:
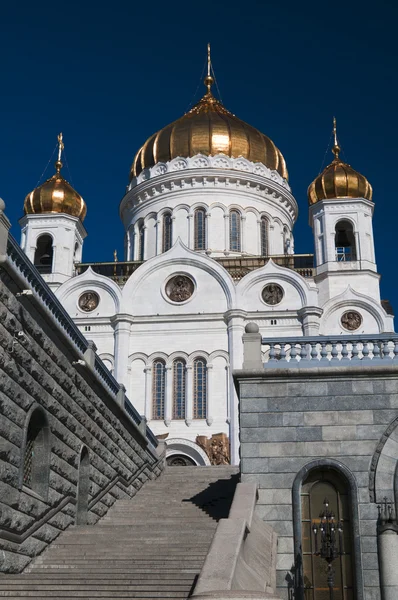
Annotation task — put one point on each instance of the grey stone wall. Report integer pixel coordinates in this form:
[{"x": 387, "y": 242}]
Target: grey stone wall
[
  {"x": 36, "y": 370},
  {"x": 290, "y": 418}
]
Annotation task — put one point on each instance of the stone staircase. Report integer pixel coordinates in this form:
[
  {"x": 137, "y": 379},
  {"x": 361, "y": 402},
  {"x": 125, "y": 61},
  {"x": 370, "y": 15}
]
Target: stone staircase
[{"x": 151, "y": 546}]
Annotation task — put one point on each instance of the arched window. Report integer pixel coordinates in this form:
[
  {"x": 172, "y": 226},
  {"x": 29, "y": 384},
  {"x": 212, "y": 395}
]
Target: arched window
[
  {"x": 141, "y": 241},
  {"x": 264, "y": 236},
  {"x": 36, "y": 465},
  {"x": 286, "y": 240},
  {"x": 234, "y": 230},
  {"x": 158, "y": 389},
  {"x": 43, "y": 259},
  {"x": 200, "y": 229},
  {"x": 199, "y": 388},
  {"x": 83, "y": 488},
  {"x": 345, "y": 242},
  {"x": 179, "y": 388},
  {"x": 167, "y": 232},
  {"x": 320, "y": 486}
]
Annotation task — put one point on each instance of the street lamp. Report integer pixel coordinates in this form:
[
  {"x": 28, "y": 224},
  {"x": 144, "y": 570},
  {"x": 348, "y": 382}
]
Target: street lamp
[{"x": 330, "y": 545}]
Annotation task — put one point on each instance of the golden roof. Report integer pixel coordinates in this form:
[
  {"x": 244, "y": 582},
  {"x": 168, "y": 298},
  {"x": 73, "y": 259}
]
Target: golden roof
[
  {"x": 209, "y": 129},
  {"x": 339, "y": 180},
  {"x": 55, "y": 195}
]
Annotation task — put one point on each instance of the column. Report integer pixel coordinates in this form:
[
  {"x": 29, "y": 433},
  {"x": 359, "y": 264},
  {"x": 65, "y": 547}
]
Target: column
[
  {"x": 207, "y": 230},
  {"x": 158, "y": 237},
  {"x": 209, "y": 391},
  {"x": 173, "y": 231},
  {"x": 145, "y": 229},
  {"x": 122, "y": 327},
  {"x": 243, "y": 233},
  {"x": 148, "y": 392},
  {"x": 235, "y": 320},
  {"x": 168, "y": 409},
  {"x": 191, "y": 239},
  {"x": 311, "y": 319},
  {"x": 133, "y": 244},
  {"x": 388, "y": 559},
  {"x": 259, "y": 248},
  {"x": 189, "y": 396},
  {"x": 226, "y": 233}
]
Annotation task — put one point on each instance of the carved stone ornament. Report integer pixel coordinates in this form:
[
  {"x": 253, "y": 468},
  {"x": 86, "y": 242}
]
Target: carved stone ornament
[
  {"x": 180, "y": 288},
  {"x": 216, "y": 448},
  {"x": 351, "y": 320},
  {"x": 272, "y": 294},
  {"x": 88, "y": 301}
]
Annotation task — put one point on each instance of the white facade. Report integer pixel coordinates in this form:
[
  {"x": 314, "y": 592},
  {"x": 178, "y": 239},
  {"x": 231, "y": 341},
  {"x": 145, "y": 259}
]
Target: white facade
[{"x": 136, "y": 324}]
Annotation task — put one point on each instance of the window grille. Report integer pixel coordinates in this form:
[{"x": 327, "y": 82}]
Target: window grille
[
  {"x": 200, "y": 229},
  {"x": 234, "y": 231},
  {"x": 199, "y": 388},
  {"x": 158, "y": 389},
  {"x": 179, "y": 388},
  {"x": 141, "y": 242},
  {"x": 264, "y": 236},
  {"x": 167, "y": 232}
]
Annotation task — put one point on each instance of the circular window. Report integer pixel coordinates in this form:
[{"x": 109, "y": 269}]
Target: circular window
[
  {"x": 179, "y": 460},
  {"x": 88, "y": 301},
  {"x": 179, "y": 288},
  {"x": 272, "y": 294},
  {"x": 351, "y": 320}
]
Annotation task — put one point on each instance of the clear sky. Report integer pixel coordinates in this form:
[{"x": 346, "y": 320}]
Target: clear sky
[{"x": 110, "y": 74}]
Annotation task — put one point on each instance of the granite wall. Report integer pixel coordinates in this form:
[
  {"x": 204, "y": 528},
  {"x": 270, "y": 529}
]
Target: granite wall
[
  {"x": 295, "y": 420},
  {"x": 91, "y": 451}
]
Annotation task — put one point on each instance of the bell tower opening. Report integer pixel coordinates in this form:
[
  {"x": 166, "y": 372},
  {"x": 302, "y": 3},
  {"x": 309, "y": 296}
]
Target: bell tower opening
[
  {"x": 345, "y": 242},
  {"x": 44, "y": 252}
]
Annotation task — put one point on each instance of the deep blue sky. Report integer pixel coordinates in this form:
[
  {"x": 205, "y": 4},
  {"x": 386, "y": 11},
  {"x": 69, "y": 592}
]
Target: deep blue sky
[{"x": 109, "y": 75}]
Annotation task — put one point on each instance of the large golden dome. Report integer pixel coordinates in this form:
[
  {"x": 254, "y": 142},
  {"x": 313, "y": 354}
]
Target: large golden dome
[
  {"x": 55, "y": 195},
  {"x": 209, "y": 129},
  {"x": 339, "y": 180}
]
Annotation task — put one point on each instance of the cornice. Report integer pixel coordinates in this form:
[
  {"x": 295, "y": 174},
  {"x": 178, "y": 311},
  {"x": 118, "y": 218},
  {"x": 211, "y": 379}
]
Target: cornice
[{"x": 209, "y": 172}]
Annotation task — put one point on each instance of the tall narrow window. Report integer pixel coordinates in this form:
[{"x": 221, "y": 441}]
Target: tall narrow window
[
  {"x": 345, "y": 242},
  {"x": 158, "y": 389},
  {"x": 83, "y": 488},
  {"x": 179, "y": 388},
  {"x": 43, "y": 259},
  {"x": 141, "y": 241},
  {"x": 234, "y": 230},
  {"x": 199, "y": 388},
  {"x": 319, "y": 486},
  {"x": 200, "y": 229},
  {"x": 167, "y": 232},
  {"x": 36, "y": 466},
  {"x": 264, "y": 236}
]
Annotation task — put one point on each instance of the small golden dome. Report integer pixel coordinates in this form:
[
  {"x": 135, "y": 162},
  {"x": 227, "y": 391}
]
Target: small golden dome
[
  {"x": 209, "y": 129},
  {"x": 55, "y": 195},
  {"x": 339, "y": 180}
]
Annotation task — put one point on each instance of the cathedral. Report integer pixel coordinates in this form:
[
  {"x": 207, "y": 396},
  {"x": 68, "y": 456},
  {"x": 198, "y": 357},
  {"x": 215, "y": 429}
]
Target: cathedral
[{"x": 208, "y": 215}]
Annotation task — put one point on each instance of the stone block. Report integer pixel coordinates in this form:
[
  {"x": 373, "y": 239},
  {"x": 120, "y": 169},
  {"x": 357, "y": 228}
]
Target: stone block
[
  {"x": 282, "y": 528},
  {"x": 248, "y": 450},
  {"x": 368, "y": 528},
  {"x": 274, "y": 512},
  {"x": 368, "y": 512},
  {"x": 354, "y": 417},
  {"x": 253, "y": 405},
  {"x": 371, "y": 578},
  {"x": 270, "y": 480},
  {"x": 270, "y": 419},
  {"x": 274, "y": 496},
  {"x": 248, "y": 420},
  {"x": 370, "y": 432},
  {"x": 320, "y": 418},
  {"x": 309, "y": 434},
  {"x": 358, "y": 447},
  {"x": 286, "y": 465},
  {"x": 391, "y": 385},
  {"x": 271, "y": 449},
  {"x": 339, "y": 388},
  {"x": 285, "y": 546},
  {"x": 254, "y": 465},
  {"x": 339, "y": 432},
  {"x": 368, "y": 544},
  {"x": 316, "y": 388},
  {"x": 362, "y": 386},
  {"x": 284, "y": 561},
  {"x": 293, "y": 419},
  {"x": 369, "y": 560},
  {"x": 321, "y": 449},
  {"x": 372, "y": 594},
  {"x": 269, "y": 434}
]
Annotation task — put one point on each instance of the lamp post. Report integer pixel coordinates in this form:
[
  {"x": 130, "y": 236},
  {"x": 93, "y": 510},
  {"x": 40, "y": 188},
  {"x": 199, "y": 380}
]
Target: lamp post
[{"x": 330, "y": 545}]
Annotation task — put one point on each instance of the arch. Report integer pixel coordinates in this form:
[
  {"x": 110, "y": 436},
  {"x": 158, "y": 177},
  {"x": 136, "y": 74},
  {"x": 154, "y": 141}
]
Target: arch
[
  {"x": 264, "y": 235},
  {"x": 71, "y": 289},
  {"x": 158, "y": 389},
  {"x": 199, "y": 388},
  {"x": 108, "y": 358},
  {"x": 179, "y": 388},
  {"x": 197, "y": 354},
  {"x": 35, "y": 467},
  {"x": 83, "y": 487},
  {"x": 44, "y": 254},
  {"x": 344, "y": 241},
  {"x": 348, "y": 480},
  {"x": 219, "y": 354},
  {"x": 180, "y": 446},
  {"x": 350, "y": 298},
  {"x": 200, "y": 229},
  {"x": 235, "y": 230},
  {"x": 383, "y": 473}
]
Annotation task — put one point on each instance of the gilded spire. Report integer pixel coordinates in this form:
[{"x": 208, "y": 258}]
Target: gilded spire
[
  {"x": 336, "y": 147},
  {"x": 58, "y": 164},
  {"x": 208, "y": 79}
]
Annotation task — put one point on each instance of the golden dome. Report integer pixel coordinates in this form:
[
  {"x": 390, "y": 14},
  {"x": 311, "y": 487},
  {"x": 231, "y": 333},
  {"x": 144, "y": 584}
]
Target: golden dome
[
  {"x": 339, "y": 180},
  {"x": 209, "y": 129},
  {"x": 55, "y": 195}
]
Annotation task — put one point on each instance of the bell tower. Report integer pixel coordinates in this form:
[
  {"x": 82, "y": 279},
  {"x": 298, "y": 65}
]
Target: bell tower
[
  {"x": 52, "y": 226},
  {"x": 341, "y": 211}
]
